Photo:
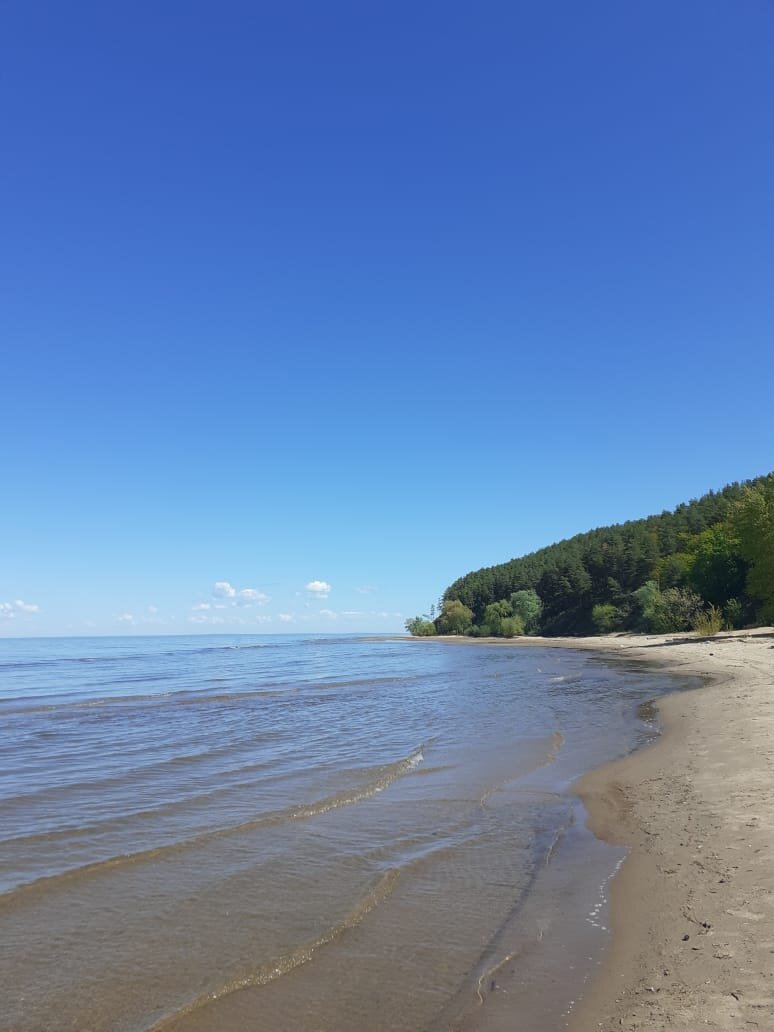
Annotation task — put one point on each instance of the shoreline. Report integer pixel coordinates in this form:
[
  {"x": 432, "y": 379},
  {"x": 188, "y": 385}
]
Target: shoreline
[{"x": 692, "y": 921}]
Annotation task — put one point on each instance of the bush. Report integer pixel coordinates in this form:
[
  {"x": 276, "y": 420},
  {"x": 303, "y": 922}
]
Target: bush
[
  {"x": 511, "y": 627},
  {"x": 734, "y": 614},
  {"x": 663, "y": 611},
  {"x": 708, "y": 622},
  {"x": 606, "y": 618},
  {"x": 674, "y": 610}
]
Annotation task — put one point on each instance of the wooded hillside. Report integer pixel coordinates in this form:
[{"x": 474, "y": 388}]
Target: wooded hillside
[{"x": 711, "y": 558}]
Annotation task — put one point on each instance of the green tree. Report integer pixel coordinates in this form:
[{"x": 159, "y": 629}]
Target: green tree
[
  {"x": 419, "y": 627},
  {"x": 526, "y": 604},
  {"x": 718, "y": 570},
  {"x": 753, "y": 522},
  {"x": 494, "y": 614},
  {"x": 646, "y": 599},
  {"x": 672, "y": 570},
  {"x": 455, "y": 617}
]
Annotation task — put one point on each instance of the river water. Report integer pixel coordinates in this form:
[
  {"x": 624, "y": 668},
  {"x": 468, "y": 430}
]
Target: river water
[{"x": 300, "y": 833}]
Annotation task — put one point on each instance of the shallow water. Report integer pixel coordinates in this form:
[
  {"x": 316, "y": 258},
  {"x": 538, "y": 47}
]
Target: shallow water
[{"x": 299, "y": 833}]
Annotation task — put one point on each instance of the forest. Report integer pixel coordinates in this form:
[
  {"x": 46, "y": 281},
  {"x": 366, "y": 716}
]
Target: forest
[{"x": 706, "y": 566}]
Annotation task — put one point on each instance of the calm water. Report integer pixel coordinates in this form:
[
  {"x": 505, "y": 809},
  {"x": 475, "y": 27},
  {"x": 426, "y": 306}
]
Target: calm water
[{"x": 298, "y": 833}]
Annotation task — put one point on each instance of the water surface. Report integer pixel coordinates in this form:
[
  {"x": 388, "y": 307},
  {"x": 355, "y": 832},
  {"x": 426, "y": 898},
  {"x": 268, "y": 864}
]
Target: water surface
[{"x": 297, "y": 833}]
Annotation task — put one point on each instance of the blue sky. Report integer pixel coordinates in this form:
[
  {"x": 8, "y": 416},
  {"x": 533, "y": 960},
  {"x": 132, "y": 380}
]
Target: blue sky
[{"x": 308, "y": 309}]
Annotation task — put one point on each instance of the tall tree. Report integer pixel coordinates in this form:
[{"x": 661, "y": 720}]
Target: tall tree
[{"x": 753, "y": 521}]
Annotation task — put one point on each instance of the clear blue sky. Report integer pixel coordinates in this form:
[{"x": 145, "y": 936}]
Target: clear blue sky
[{"x": 368, "y": 295}]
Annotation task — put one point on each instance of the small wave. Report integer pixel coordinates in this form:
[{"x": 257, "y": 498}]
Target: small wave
[
  {"x": 557, "y": 741},
  {"x": 268, "y": 972},
  {"x": 175, "y": 696},
  {"x": 381, "y": 778}
]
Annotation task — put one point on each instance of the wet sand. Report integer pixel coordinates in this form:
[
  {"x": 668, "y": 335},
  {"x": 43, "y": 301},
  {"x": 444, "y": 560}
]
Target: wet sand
[{"x": 693, "y": 904}]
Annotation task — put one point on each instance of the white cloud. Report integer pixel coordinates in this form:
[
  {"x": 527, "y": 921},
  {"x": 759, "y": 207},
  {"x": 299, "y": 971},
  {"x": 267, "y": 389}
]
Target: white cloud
[
  {"x": 329, "y": 614},
  {"x": 10, "y": 609},
  {"x": 353, "y": 612},
  {"x": 286, "y": 617},
  {"x": 365, "y": 589},
  {"x": 263, "y": 619},
  {"x": 152, "y": 610},
  {"x": 125, "y": 618},
  {"x": 320, "y": 588},
  {"x": 201, "y": 606},
  {"x": 239, "y": 596},
  {"x": 202, "y": 619}
]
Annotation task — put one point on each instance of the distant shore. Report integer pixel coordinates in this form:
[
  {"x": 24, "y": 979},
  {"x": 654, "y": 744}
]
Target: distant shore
[{"x": 693, "y": 904}]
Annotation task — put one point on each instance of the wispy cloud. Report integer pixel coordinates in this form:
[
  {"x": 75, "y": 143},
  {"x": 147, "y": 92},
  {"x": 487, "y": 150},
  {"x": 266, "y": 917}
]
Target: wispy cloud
[
  {"x": 287, "y": 617},
  {"x": 329, "y": 614},
  {"x": 127, "y": 618},
  {"x": 365, "y": 589},
  {"x": 319, "y": 588},
  {"x": 9, "y": 610},
  {"x": 249, "y": 596}
]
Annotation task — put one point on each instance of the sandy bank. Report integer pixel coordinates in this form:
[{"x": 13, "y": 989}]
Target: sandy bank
[{"x": 693, "y": 905}]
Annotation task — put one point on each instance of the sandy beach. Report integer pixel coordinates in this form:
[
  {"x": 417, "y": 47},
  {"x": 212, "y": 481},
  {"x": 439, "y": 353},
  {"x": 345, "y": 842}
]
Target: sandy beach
[{"x": 693, "y": 904}]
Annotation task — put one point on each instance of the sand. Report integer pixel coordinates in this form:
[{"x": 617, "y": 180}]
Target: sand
[{"x": 693, "y": 905}]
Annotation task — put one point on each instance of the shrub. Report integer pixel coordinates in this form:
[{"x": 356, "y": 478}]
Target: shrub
[
  {"x": 675, "y": 610},
  {"x": 511, "y": 627},
  {"x": 708, "y": 622},
  {"x": 734, "y": 613},
  {"x": 665, "y": 611},
  {"x": 606, "y": 618}
]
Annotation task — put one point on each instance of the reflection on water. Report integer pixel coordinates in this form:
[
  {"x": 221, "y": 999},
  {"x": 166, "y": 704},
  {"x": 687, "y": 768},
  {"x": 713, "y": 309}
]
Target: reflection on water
[{"x": 292, "y": 833}]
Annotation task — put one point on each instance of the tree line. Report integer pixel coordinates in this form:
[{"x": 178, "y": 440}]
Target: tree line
[{"x": 707, "y": 565}]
